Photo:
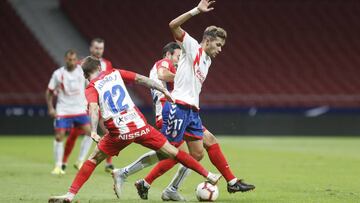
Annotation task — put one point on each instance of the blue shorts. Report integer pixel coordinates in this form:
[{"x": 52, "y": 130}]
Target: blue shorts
[
  {"x": 180, "y": 121},
  {"x": 69, "y": 122}
]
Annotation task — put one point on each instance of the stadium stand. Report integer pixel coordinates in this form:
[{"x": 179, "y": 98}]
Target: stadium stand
[
  {"x": 25, "y": 66},
  {"x": 289, "y": 54}
]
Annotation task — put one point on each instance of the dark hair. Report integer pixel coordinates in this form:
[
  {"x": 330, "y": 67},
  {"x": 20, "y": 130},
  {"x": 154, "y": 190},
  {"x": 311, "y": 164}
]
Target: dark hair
[
  {"x": 170, "y": 47},
  {"x": 90, "y": 65},
  {"x": 70, "y": 52},
  {"x": 213, "y": 32},
  {"x": 99, "y": 40}
]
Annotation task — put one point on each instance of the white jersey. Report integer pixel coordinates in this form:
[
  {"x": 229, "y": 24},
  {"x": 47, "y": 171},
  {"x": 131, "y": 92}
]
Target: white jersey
[
  {"x": 157, "y": 96},
  {"x": 192, "y": 70},
  {"x": 116, "y": 106},
  {"x": 70, "y": 88}
]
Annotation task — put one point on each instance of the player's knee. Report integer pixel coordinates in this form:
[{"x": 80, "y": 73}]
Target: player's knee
[
  {"x": 209, "y": 139},
  {"x": 168, "y": 150},
  {"x": 59, "y": 137},
  {"x": 198, "y": 155}
]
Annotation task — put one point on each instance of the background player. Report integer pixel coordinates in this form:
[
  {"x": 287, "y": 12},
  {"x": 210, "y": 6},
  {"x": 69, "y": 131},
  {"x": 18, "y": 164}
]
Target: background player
[
  {"x": 124, "y": 122},
  {"x": 182, "y": 120},
  {"x": 97, "y": 48},
  {"x": 69, "y": 83}
]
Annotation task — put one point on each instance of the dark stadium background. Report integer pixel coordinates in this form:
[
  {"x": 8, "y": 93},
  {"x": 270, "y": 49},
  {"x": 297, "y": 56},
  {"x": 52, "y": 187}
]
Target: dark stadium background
[{"x": 288, "y": 67}]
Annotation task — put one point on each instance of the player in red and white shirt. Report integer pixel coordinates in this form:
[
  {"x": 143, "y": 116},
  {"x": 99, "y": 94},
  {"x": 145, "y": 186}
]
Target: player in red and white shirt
[
  {"x": 69, "y": 84},
  {"x": 163, "y": 72},
  {"x": 181, "y": 121},
  {"x": 97, "y": 47},
  {"x": 126, "y": 124}
]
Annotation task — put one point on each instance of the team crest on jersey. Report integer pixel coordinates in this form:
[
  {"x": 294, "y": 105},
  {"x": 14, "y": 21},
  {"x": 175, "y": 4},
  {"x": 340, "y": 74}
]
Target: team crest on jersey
[{"x": 134, "y": 135}]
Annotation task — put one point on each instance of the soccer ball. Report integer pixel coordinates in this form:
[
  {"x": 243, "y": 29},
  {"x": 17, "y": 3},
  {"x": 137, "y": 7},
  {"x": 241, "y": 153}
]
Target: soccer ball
[{"x": 205, "y": 191}]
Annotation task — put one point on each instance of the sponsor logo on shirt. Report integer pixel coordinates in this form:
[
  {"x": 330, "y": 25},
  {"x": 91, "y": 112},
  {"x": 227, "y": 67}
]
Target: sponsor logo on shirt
[{"x": 134, "y": 135}]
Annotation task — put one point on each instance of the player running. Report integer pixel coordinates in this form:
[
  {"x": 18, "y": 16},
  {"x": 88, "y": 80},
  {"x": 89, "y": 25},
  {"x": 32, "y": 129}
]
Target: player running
[
  {"x": 124, "y": 122},
  {"x": 182, "y": 120},
  {"x": 69, "y": 84},
  {"x": 97, "y": 46}
]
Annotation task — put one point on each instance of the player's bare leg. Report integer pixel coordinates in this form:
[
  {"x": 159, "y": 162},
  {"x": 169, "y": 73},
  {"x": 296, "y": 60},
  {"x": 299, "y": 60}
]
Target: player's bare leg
[
  {"x": 172, "y": 152},
  {"x": 69, "y": 145},
  {"x": 81, "y": 177},
  {"x": 218, "y": 159},
  {"x": 84, "y": 147},
  {"x": 58, "y": 151}
]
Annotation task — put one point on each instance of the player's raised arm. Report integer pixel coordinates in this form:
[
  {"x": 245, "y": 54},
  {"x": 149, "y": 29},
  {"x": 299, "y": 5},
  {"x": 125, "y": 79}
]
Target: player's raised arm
[
  {"x": 147, "y": 82},
  {"x": 203, "y": 7}
]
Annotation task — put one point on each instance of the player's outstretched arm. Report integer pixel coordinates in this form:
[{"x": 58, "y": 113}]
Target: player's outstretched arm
[
  {"x": 147, "y": 82},
  {"x": 49, "y": 96},
  {"x": 94, "y": 118},
  {"x": 203, "y": 7}
]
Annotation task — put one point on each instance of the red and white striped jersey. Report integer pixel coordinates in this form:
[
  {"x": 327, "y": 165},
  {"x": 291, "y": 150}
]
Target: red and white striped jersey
[
  {"x": 116, "y": 106},
  {"x": 158, "y": 97},
  {"x": 191, "y": 73},
  {"x": 106, "y": 65}
]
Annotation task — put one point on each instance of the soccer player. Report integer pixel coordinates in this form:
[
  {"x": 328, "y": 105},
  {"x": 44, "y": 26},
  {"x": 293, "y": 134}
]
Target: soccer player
[
  {"x": 97, "y": 47},
  {"x": 125, "y": 123},
  {"x": 182, "y": 121},
  {"x": 69, "y": 83}
]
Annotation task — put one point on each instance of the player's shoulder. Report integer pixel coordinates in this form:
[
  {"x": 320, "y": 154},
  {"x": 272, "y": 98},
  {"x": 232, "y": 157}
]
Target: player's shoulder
[
  {"x": 166, "y": 63},
  {"x": 59, "y": 70}
]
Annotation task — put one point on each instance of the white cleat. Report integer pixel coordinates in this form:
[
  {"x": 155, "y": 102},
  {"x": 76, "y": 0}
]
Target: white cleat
[
  {"x": 57, "y": 171},
  {"x": 119, "y": 177},
  {"x": 214, "y": 178},
  {"x": 67, "y": 198},
  {"x": 170, "y": 195}
]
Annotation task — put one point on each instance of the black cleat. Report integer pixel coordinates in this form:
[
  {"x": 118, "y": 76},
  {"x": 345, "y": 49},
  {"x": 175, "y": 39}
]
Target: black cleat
[
  {"x": 240, "y": 186},
  {"x": 141, "y": 189},
  {"x": 109, "y": 168},
  {"x": 63, "y": 167}
]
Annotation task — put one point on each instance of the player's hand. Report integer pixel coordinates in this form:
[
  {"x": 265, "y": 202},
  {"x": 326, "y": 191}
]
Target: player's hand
[
  {"x": 52, "y": 113},
  {"x": 168, "y": 96},
  {"x": 204, "y": 6},
  {"x": 95, "y": 137}
]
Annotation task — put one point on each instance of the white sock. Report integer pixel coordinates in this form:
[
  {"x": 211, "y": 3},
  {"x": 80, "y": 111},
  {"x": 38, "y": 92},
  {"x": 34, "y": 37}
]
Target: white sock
[
  {"x": 144, "y": 161},
  {"x": 233, "y": 181},
  {"x": 58, "y": 153},
  {"x": 179, "y": 178},
  {"x": 84, "y": 148}
]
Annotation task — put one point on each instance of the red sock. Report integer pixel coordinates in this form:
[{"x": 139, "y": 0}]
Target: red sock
[
  {"x": 109, "y": 160},
  {"x": 218, "y": 159},
  {"x": 82, "y": 176},
  {"x": 70, "y": 142},
  {"x": 189, "y": 162},
  {"x": 161, "y": 168}
]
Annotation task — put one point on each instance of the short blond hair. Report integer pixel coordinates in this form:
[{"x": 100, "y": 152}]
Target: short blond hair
[{"x": 213, "y": 32}]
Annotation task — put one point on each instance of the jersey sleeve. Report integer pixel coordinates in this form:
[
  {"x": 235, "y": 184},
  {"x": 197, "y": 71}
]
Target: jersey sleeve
[
  {"x": 188, "y": 44},
  {"x": 54, "y": 82},
  {"x": 128, "y": 76},
  {"x": 163, "y": 64},
  {"x": 92, "y": 96}
]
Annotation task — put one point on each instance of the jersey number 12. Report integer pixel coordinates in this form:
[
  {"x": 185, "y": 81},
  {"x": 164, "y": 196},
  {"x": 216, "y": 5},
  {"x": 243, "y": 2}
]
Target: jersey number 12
[{"x": 118, "y": 93}]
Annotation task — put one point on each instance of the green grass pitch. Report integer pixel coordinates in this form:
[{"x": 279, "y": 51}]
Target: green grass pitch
[{"x": 284, "y": 169}]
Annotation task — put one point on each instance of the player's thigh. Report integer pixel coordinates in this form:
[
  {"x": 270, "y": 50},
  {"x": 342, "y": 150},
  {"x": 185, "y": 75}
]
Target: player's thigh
[
  {"x": 112, "y": 144},
  {"x": 152, "y": 138},
  {"x": 195, "y": 147},
  {"x": 209, "y": 138}
]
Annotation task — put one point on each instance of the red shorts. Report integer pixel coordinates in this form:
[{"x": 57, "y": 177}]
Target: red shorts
[{"x": 146, "y": 136}]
